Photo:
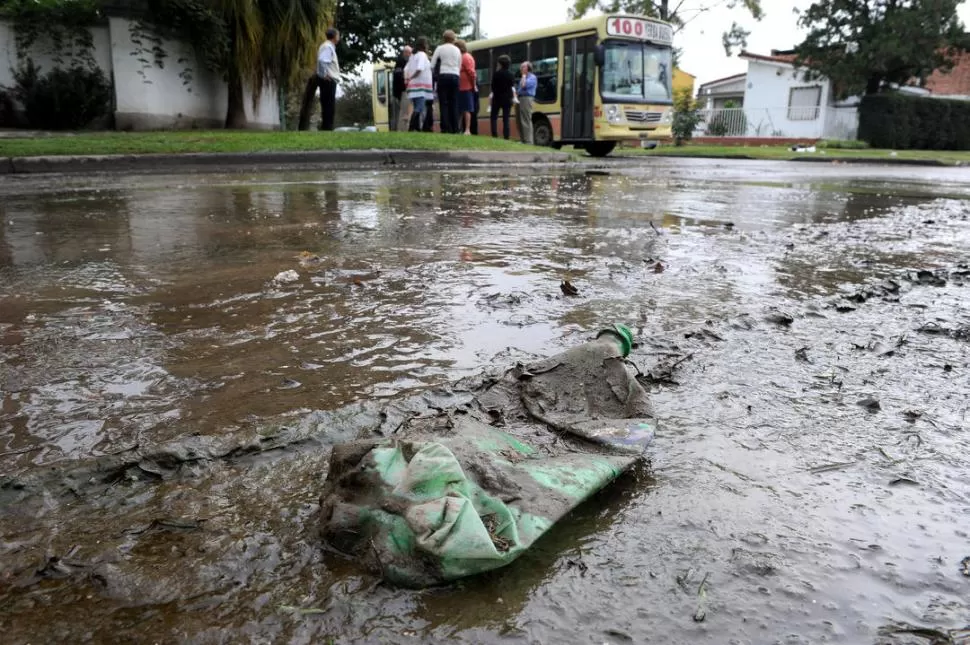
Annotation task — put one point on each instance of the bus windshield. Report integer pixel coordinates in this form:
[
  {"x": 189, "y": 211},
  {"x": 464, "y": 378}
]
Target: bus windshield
[{"x": 635, "y": 73}]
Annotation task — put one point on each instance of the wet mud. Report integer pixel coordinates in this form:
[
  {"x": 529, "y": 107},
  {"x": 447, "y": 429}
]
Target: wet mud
[{"x": 167, "y": 407}]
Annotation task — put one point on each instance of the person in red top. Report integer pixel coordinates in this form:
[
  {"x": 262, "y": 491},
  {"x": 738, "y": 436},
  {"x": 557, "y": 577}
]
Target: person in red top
[{"x": 467, "y": 87}]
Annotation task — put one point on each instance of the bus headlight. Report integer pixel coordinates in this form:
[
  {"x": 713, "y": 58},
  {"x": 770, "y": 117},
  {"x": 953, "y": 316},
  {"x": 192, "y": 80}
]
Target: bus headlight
[
  {"x": 613, "y": 114},
  {"x": 667, "y": 118}
]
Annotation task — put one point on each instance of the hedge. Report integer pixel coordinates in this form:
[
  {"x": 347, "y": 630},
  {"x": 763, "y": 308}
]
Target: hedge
[{"x": 906, "y": 122}]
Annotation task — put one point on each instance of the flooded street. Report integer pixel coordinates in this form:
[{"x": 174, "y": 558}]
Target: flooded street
[{"x": 167, "y": 408}]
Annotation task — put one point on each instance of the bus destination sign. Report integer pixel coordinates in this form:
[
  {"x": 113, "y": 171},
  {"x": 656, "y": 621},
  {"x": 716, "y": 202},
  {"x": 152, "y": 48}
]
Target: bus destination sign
[{"x": 641, "y": 29}]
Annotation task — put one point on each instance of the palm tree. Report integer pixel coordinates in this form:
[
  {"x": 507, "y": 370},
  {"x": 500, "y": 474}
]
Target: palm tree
[{"x": 269, "y": 41}]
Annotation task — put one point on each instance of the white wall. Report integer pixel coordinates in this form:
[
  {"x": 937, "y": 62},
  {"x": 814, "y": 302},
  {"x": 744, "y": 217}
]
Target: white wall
[
  {"x": 164, "y": 101},
  {"x": 42, "y": 52},
  {"x": 766, "y": 100},
  {"x": 150, "y": 98},
  {"x": 841, "y": 122}
]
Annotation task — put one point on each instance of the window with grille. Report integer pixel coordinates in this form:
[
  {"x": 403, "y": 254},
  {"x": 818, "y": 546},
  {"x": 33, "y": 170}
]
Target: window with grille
[{"x": 804, "y": 102}]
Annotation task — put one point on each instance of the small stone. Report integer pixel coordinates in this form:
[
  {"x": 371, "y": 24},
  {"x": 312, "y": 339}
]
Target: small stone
[{"x": 870, "y": 404}]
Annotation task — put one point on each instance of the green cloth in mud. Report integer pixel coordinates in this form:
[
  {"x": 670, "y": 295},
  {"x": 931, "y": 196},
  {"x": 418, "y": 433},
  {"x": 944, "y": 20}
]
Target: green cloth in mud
[
  {"x": 450, "y": 495},
  {"x": 435, "y": 511}
]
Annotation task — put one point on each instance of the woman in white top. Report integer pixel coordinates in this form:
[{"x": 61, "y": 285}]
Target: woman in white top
[
  {"x": 450, "y": 57},
  {"x": 417, "y": 75}
]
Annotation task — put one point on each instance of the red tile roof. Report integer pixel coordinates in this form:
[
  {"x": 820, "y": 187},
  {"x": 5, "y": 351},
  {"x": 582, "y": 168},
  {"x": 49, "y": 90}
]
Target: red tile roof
[
  {"x": 775, "y": 57},
  {"x": 956, "y": 82}
]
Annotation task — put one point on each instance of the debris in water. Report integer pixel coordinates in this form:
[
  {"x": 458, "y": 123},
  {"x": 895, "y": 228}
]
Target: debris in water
[
  {"x": 931, "y": 278},
  {"x": 579, "y": 564},
  {"x": 286, "y": 277},
  {"x": 870, "y": 404},
  {"x": 779, "y": 318},
  {"x": 903, "y": 480},
  {"x": 289, "y": 384},
  {"x": 309, "y": 611},
  {"x": 658, "y": 267},
  {"x": 824, "y": 468},
  {"x": 801, "y": 354},
  {"x": 701, "y": 613},
  {"x": 965, "y": 566},
  {"x": 309, "y": 260},
  {"x": 568, "y": 289}
]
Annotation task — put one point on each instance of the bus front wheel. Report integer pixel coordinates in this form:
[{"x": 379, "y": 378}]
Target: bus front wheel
[
  {"x": 600, "y": 148},
  {"x": 542, "y": 131}
]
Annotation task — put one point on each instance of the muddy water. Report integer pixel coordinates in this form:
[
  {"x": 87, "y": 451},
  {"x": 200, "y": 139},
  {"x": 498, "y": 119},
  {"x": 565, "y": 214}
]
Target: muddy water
[{"x": 167, "y": 407}]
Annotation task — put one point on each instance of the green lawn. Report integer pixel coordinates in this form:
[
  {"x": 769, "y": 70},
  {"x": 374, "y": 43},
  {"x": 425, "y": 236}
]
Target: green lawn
[
  {"x": 112, "y": 143},
  {"x": 785, "y": 153}
]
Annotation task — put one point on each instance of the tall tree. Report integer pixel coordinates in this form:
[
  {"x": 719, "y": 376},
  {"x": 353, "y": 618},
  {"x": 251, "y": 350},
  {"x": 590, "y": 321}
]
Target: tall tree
[
  {"x": 677, "y": 12},
  {"x": 868, "y": 45},
  {"x": 374, "y": 30},
  {"x": 269, "y": 41},
  {"x": 251, "y": 42}
]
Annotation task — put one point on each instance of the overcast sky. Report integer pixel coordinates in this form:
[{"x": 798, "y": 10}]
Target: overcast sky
[{"x": 700, "y": 41}]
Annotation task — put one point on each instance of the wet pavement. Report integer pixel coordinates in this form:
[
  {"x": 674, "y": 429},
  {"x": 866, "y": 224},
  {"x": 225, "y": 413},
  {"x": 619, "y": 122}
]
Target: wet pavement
[{"x": 167, "y": 407}]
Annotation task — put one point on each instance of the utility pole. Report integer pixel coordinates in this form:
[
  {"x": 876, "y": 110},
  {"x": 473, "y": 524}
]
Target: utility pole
[{"x": 475, "y": 8}]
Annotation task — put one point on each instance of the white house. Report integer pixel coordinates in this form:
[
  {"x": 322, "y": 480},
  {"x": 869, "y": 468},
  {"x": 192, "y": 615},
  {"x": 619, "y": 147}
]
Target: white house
[
  {"x": 147, "y": 97},
  {"x": 778, "y": 101},
  {"x": 718, "y": 94}
]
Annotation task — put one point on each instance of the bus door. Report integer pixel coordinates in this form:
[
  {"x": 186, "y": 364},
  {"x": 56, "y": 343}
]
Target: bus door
[
  {"x": 577, "y": 91},
  {"x": 382, "y": 93}
]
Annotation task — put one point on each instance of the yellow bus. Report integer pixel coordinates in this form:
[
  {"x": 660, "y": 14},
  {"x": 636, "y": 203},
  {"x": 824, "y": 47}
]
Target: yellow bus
[{"x": 601, "y": 80}]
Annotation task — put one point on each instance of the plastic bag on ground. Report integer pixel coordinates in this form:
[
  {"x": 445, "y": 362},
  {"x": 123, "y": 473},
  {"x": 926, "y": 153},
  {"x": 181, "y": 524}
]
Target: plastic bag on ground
[{"x": 467, "y": 489}]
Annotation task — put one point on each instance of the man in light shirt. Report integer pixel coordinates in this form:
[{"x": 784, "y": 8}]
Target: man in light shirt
[
  {"x": 527, "y": 94},
  {"x": 328, "y": 74},
  {"x": 448, "y": 78}
]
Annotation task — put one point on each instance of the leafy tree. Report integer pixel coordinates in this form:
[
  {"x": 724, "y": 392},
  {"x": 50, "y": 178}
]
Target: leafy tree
[
  {"x": 354, "y": 107},
  {"x": 269, "y": 41},
  {"x": 251, "y": 42},
  {"x": 679, "y": 13},
  {"x": 374, "y": 30},
  {"x": 867, "y": 45}
]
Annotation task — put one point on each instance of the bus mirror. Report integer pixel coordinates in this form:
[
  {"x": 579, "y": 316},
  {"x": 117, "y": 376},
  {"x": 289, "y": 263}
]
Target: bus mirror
[{"x": 599, "y": 55}]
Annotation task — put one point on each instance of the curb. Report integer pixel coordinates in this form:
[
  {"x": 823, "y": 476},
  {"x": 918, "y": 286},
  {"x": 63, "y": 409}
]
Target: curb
[
  {"x": 219, "y": 161},
  {"x": 891, "y": 161}
]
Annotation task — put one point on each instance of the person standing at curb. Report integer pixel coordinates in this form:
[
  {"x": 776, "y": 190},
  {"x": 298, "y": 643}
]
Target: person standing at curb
[
  {"x": 328, "y": 73},
  {"x": 527, "y": 94},
  {"x": 399, "y": 102},
  {"x": 503, "y": 90},
  {"x": 417, "y": 74},
  {"x": 467, "y": 89},
  {"x": 450, "y": 57}
]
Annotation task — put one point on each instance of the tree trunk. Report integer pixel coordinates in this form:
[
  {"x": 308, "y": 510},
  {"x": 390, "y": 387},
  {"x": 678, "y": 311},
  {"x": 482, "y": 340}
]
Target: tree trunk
[
  {"x": 873, "y": 84},
  {"x": 664, "y": 10},
  {"x": 236, "y": 114},
  {"x": 306, "y": 107}
]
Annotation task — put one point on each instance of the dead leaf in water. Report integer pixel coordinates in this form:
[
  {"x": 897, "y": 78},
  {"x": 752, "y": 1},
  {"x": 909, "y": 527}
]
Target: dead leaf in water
[{"x": 568, "y": 289}]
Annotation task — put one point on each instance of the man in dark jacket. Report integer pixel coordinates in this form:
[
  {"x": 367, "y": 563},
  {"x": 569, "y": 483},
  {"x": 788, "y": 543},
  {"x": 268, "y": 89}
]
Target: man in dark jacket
[{"x": 398, "y": 88}]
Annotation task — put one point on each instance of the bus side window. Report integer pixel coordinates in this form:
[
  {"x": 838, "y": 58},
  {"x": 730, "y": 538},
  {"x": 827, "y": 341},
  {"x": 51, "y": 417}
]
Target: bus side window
[
  {"x": 545, "y": 61},
  {"x": 519, "y": 53},
  {"x": 380, "y": 77},
  {"x": 483, "y": 71}
]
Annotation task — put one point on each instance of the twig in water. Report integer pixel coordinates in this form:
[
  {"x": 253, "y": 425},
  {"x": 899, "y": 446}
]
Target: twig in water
[
  {"x": 701, "y": 613},
  {"x": 377, "y": 556},
  {"x": 827, "y": 467},
  {"x": 655, "y": 230}
]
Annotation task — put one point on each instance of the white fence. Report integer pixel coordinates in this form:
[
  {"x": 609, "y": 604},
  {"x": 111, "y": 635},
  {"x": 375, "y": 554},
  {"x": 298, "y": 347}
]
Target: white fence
[{"x": 784, "y": 122}]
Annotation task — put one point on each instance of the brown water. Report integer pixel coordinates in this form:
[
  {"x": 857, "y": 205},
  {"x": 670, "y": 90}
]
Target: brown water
[{"x": 167, "y": 408}]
